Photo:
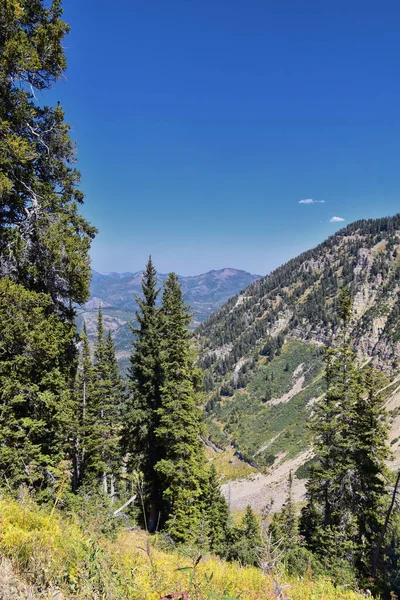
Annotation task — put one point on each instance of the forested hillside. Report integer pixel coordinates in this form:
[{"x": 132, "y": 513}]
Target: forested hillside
[
  {"x": 263, "y": 351},
  {"x": 109, "y": 487}
]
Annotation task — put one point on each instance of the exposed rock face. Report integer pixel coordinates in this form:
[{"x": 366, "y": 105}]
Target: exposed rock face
[
  {"x": 299, "y": 299},
  {"x": 255, "y": 347}
]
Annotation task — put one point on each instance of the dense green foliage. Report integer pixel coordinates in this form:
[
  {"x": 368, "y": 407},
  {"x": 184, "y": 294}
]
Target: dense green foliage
[
  {"x": 35, "y": 394},
  {"x": 345, "y": 492},
  {"x": 44, "y": 244},
  {"x": 44, "y": 241}
]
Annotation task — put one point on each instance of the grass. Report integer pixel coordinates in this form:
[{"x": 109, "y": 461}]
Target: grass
[
  {"x": 252, "y": 423},
  {"x": 53, "y": 552},
  {"x": 261, "y": 429},
  {"x": 228, "y": 466}
]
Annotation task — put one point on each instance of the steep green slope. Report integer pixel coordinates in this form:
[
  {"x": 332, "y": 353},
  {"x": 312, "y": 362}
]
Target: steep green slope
[
  {"x": 269, "y": 416},
  {"x": 263, "y": 350}
]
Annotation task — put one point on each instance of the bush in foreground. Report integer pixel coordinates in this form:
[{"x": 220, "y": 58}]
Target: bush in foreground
[{"x": 51, "y": 551}]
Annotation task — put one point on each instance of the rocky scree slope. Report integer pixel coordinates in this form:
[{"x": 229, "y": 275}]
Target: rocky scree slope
[{"x": 262, "y": 352}]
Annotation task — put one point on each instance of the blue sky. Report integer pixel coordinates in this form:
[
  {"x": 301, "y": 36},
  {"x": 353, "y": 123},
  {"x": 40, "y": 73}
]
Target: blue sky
[{"x": 201, "y": 124}]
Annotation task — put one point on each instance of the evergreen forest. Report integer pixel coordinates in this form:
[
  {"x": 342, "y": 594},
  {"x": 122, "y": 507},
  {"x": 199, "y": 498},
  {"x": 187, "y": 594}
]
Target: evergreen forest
[{"x": 113, "y": 485}]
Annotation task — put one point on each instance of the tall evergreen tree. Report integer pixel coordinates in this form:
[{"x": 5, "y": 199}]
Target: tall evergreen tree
[
  {"x": 102, "y": 424},
  {"x": 83, "y": 400},
  {"x": 181, "y": 470},
  {"x": 114, "y": 417},
  {"x": 44, "y": 242},
  {"x": 35, "y": 394},
  {"x": 145, "y": 376},
  {"x": 330, "y": 523},
  {"x": 217, "y": 514},
  {"x": 346, "y": 486},
  {"x": 371, "y": 478}
]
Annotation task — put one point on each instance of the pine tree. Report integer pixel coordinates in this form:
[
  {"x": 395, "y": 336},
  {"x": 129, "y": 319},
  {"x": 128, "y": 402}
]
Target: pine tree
[
  {"x": 102, "y": 428},
  {"x": 181, "y": 470},
  {"x": 35, "y": 394},
  {"x": 145, "y": 376},
  {"x": 217, "y": 514},
  {"x": 83, "y": 400},
  {"x": 346, "y": 486},
  {"x": 44, "y": 242}
]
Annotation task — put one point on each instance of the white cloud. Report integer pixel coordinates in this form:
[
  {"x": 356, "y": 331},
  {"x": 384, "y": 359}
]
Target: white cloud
[
  {"x": 337, "y": 220},
  {"x": 311, "y": 201}
]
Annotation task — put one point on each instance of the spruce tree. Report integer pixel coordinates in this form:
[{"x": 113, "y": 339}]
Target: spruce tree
[
  {"x": 181, "y": 470},
  {"x": 35, "y": 392},
  {"x": 102, "y": 429},
  {"x": 371, "y": 478},
  {"x": 217, "y": 514},
  {"x": 346, "y": 487},
  {"x": 83, "y": 400},
  {"x": 144, "y": 401},
  {"x": 329, "y": 490},
  {"x": 114, "y": 418}
]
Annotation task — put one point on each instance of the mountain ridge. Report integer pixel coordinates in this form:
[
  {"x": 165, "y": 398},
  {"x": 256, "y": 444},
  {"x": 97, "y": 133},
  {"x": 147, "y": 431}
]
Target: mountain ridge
[
  {"x": 116, "y": 294},
  {"x": 262, "y": 352}
]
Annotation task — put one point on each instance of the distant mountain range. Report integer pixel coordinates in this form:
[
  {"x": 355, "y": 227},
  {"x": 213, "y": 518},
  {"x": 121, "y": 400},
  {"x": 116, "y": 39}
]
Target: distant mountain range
[{"x": 116, "y": 293}]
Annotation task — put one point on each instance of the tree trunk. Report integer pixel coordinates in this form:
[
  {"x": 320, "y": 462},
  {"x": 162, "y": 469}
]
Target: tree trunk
[
  {"x": 153, "y": 518},
  {"x": 112, "y": 489},
  {"x": 381, "y": 538}
]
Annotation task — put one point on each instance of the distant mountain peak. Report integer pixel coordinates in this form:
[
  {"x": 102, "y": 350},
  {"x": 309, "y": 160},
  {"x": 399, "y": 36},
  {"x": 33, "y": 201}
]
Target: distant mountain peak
[{"x": 117, "y": 292}]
